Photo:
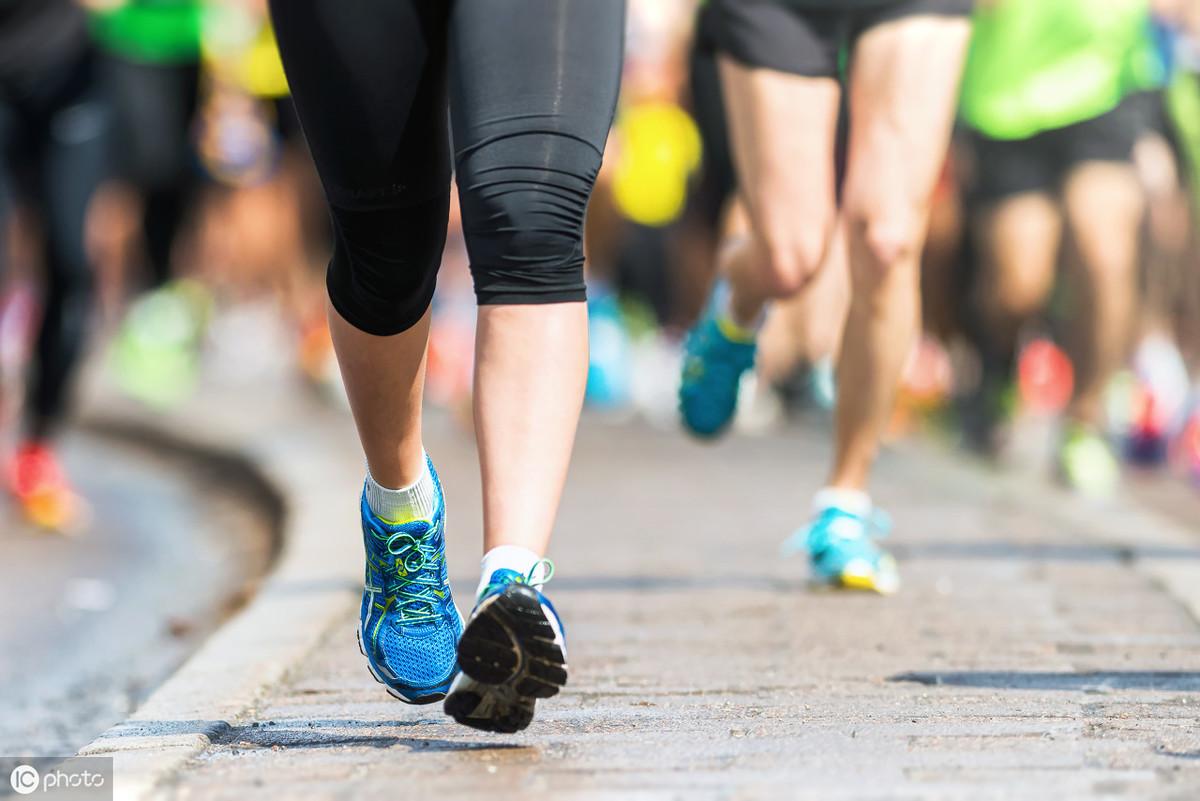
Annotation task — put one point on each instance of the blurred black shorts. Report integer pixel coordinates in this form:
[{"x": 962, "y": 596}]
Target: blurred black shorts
[
  {"x": 807, "y": 37},
  {"x": 1005, "y": 167}
]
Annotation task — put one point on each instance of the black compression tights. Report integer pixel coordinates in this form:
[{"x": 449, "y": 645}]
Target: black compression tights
[{"x": 531, "y": 87}]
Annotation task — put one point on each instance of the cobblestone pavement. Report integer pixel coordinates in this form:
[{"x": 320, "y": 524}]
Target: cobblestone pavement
[{"x": 1025, "y": 658}]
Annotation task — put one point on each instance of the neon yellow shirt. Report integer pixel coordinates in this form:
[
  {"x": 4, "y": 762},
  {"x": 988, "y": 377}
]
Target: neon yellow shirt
[{"x": 1037, "y": 65}]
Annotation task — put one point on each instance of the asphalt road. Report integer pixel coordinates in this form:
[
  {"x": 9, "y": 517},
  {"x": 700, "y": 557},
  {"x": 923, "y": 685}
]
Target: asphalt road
[{"x": 89, "y": 624}]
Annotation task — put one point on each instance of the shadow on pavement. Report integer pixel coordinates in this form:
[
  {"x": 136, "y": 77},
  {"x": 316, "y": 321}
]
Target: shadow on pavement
[
  {"x": 1178, "y": 754},
  {"x": 1057, "y": 552},
  {"x": 305, "y": 734},
  {"x": 212, "y": 729},
  {"x": 705, "y": 581},
  {"x": 1100, "y": 680}
]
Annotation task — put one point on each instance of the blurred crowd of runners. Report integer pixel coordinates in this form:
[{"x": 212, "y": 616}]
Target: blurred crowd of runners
[{"x": 157, "y": 204}]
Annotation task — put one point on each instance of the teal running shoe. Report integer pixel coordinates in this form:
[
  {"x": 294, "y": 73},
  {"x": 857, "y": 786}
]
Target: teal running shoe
[
  {"x": 843, "y": 552},
  {"x": 715, "y": 357},
  {"x": 512, "y": 653},
  {"x": 409, "y": 626}
]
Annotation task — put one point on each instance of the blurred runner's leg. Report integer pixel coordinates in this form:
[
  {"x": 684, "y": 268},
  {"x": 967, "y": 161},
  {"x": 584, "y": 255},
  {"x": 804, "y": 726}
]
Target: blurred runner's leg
[
  {"x": 1050, "y": 91},
  {"x": 783, "y": 128},
  {"x": 903, "y": 86},
  {"x": 904, "y": 73},
  {"x": 54, "y": 138},
  {"x": 807, "y": 327},
  {"x": 1104, "y": 205},
  {"x": 778, "y": 71},
  {"x": 1018, "y": 240}
]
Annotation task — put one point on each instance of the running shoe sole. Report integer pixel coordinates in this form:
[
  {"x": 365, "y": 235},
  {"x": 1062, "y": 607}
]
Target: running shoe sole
[
  {"x": 868, "y": 583},
  {"x": 432, "y": 698},
  {"x": 863, "y": 578},
  {"x": 511, "y": 654}
]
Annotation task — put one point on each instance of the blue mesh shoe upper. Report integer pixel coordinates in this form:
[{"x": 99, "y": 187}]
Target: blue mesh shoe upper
[
  {"x": 712, "y": 368},
  {"x": 410, "y": 626}
]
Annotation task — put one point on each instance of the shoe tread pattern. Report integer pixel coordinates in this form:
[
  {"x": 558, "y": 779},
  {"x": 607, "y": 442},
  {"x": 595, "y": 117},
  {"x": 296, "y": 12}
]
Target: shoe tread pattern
[{"x": 509, "y": 645}]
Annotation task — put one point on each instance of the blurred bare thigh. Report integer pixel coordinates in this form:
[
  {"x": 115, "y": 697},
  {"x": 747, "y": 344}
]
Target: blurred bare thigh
[{"x": 782, "y": 128}]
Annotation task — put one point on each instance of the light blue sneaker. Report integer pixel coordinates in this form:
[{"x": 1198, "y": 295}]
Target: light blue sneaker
[
  {"x": 715, "y": 357},
  {"x": 843, "y": 552},
  {"x": 512, "y": 653},
  {"x": 409, "y": 626}
]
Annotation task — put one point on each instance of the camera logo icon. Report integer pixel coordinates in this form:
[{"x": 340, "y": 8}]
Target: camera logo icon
[{"x": 24, "y": 779}]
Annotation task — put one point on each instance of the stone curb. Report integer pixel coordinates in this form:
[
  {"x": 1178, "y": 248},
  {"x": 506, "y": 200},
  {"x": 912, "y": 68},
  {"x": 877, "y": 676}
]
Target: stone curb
[{"x": 314, "y": 583}]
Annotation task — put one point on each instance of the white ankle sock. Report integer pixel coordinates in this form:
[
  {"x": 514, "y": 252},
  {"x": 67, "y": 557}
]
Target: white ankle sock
[
  {"x": 414, "y": 502},
  {"x": 512, "y": 557},
  {"x": 856, "y": 502}
]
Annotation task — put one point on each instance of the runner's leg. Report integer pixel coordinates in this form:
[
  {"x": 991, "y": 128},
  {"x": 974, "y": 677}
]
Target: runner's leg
[
  {"x": 369, "y": 84},
  {"x": 63, "y": 125},
  {"x": 807, "y": 327},
  {"x": 778, "y": 66},
  {"x": 903, "y": 88},
  {"x": 1018, "y": 240},
  {"x": 1104, "y": 206},
  {"x": 373, "y": 109},
  {"x": 533, "y": 89},
  {"x": 783, "y": 128},
  {"x": 72, "y": 167}
]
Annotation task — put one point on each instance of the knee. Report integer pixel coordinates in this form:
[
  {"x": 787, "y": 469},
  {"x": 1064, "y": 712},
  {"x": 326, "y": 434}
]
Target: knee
[
  {"x": 1021, "y": 293},
  {"x": 384, "y": 266},
  {"x": 524, "y": 233},
  {"x": 790, "y": 261},
  {"x": 884, "y": 241}
]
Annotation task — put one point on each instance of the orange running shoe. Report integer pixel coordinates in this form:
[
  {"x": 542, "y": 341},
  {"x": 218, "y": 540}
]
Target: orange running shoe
[{"x": 39, "y": 485}]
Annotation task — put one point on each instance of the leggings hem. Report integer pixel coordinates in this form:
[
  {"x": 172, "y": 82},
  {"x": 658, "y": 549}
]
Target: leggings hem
[{"x": 524, "y": 298}]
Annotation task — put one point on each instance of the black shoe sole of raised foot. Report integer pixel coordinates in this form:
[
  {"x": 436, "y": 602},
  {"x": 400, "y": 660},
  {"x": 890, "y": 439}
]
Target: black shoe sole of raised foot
[{"x": 508, "y": 650}]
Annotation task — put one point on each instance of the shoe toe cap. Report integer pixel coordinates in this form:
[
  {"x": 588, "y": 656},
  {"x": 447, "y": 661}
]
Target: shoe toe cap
[{"x": 420, "y": 658}]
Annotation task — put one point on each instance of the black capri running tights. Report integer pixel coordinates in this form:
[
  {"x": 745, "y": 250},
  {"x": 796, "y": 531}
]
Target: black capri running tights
[{"x": 531, "y": 87}]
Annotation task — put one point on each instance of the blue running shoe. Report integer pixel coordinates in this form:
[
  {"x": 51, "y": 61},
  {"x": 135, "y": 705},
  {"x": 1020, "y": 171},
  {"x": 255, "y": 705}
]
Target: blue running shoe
[
  {"x": 714, "y": 360},
  {"x": 512, "y": 653},
  {"x": 843, "y": 552},
  {"x": 409, "y": 626}
]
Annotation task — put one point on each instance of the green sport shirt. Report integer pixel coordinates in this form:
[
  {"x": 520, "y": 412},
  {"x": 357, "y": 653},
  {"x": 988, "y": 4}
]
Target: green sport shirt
[
  {"x": 1037, "y": 65},
  {"x": 153, "y": 31}
]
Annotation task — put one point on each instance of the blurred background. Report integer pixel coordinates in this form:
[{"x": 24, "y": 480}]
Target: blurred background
[{"x": 162, "y": 233}]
